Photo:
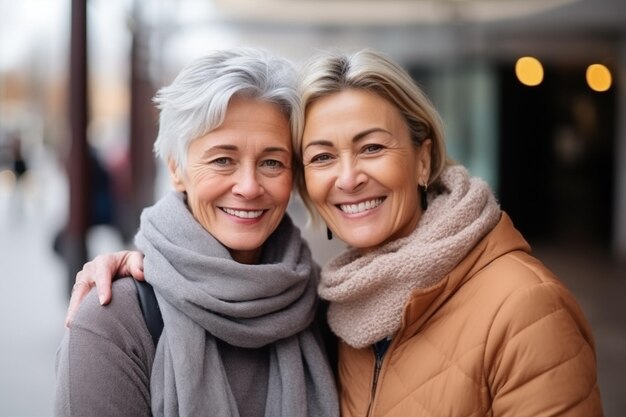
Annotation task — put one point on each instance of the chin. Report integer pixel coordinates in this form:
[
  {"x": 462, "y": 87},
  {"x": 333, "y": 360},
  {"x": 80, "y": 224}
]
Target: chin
[
  {"x": 363, "y": 243},
  {"x": 244, "y": 246}
]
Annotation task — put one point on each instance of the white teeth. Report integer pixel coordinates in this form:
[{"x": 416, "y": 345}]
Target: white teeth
[
  {"x": 244, "y": 214},
  {"x": 358, "y": 208}
]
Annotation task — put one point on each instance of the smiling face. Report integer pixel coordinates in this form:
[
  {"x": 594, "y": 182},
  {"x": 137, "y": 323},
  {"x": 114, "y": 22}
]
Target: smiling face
[
  {"x": 239, "y": 176},
  {"x": 361, "y": 168}
]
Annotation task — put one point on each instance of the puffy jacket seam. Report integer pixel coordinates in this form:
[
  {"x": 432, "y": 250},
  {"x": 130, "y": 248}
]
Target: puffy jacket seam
[
  {"x": 451, "y": 364},
  {"x": 592, "y": 388},
  {"x": 430, "y": 414},
  {"x": 533, "y": 323},
  {"x": 556, "y": 365},
  {"x": 426, "y": 410},
  {"x": 516, "y": 257},
  {"x": 540, "y": 282},
  {"x": 454, "y": 363}
]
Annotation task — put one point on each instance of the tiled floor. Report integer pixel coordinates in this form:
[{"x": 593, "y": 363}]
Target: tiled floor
[{"x": 33, "y": 282}]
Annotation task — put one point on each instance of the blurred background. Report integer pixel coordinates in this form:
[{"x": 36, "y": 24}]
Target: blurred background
[{"x": 532, "y": 93}]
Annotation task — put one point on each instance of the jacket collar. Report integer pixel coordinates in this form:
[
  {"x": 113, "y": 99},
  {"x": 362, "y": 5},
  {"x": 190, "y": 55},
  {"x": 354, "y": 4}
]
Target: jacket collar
[{"x": 424, "y": 302}]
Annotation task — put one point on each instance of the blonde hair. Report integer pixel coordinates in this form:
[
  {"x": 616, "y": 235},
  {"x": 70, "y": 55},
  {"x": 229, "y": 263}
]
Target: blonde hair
[{"x": 332, "y": 71}]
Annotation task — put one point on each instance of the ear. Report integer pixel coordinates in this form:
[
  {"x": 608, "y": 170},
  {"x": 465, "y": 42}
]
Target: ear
[
  {"x": 423, "y": 158},
  {"x": 175, "y": 175}
]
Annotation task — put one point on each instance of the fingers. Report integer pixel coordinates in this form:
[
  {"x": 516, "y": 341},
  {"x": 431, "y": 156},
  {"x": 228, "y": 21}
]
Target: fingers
[
  {"x": 134, "y": 263},
  {"x": 100, "y": 273},
  {"x": 79, "y": 291}
]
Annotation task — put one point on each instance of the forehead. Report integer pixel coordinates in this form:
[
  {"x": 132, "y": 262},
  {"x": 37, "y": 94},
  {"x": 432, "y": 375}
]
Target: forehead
[
  {"x": 244, "y": 109},
  {"x": 349, "y": 112},
  {"x": 254, "y": 119}
]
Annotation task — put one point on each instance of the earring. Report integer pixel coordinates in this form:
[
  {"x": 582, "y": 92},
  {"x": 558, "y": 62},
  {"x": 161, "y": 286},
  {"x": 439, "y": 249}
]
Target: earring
[
  {"x": 329, "y": 234},
  {"x": 423, "y": 201}
]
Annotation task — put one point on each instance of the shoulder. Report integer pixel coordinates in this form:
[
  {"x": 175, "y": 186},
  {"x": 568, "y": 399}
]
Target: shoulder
[
  {"x": 116, "y": 321},
  {"x": 534, "y": 313},
  {"x": 523, "y": 289},
  {"x": 123, "y": 301},
  {"x": 105, "y": 360},
  {"x": 519, "y": 303},
  {"x": 514, "y": 277},
  {"x": 538, "y": 339},
  {"x": 538, "y": 351}
]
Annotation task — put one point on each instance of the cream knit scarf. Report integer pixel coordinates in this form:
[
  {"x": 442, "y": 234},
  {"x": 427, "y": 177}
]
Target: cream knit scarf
[{"x": 367, "y": 292}]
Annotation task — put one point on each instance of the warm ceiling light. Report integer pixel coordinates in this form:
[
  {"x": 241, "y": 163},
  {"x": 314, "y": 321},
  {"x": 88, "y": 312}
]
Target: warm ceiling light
[
  {"x": 598, "y": 77},
  {"x": 529, "y": 71}
]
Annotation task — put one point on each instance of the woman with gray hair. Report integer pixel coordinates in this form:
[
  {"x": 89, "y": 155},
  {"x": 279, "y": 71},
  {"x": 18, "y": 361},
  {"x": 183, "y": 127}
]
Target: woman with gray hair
[{"x": 235, "y": 282}]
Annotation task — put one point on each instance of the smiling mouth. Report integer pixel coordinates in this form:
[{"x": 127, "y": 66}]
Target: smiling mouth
[
  {"x": 243, "y": 214},
  {"x": 361, "y": 207}
]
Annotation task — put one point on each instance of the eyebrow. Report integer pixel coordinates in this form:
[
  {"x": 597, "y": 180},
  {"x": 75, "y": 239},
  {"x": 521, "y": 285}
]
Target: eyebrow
[
  {"x": 361, "y": 135},
  {"x": 212, "y": 149},
  {"x": 356, "y": 138},
  {"x": 226, "y": 147},
  {"x": 270, "y": 149}
]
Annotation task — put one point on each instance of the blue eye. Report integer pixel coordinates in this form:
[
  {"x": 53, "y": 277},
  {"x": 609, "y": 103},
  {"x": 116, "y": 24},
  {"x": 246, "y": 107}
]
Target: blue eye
[
  {"x": 273, "y": 163},
  {"x": 221, "y": 161},
  {"x": 323, "y": 157},
  {"x": 373, "y": 148}
]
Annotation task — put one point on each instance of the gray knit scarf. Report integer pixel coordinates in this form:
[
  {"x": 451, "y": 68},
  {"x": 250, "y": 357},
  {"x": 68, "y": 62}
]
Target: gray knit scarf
[
  {"x": 367, "y": 292},
  {"x": 204, "y": 294}
]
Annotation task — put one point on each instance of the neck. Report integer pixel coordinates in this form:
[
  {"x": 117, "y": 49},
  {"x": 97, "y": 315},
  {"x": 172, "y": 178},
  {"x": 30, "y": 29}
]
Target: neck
[{"x": 250, "y": 257}]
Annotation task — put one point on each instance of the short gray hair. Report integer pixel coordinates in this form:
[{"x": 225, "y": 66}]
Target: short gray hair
[{"x": 195, "y": 103}]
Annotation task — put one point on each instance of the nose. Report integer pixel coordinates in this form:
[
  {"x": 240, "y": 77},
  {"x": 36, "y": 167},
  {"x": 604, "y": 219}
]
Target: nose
[
  {"x": 247, "y": 183},
  {"x": 351, "y": 178}
]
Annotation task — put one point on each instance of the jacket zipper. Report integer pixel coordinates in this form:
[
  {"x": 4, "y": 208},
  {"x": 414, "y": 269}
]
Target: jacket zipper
[
  {"x": 379, "y": 364},
  {"x": 379, "y": 354}
]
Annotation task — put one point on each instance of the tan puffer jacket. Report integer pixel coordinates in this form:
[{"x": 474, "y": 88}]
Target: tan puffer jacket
[{"x": 500, "y": 336}]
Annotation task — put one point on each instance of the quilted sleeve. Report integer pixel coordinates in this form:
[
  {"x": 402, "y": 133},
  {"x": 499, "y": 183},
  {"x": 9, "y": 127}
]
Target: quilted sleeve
[{"x": 540, "y": 358}]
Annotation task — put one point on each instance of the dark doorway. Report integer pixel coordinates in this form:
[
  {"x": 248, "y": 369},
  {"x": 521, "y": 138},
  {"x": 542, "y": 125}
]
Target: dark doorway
[{"x": 556, "y": 156}]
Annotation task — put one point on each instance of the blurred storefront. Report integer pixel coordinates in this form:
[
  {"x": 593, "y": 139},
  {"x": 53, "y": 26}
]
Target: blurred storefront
[{"x": 554, "y": 149}]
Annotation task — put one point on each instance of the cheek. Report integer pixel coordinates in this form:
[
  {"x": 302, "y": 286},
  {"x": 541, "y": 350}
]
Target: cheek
[
  {"x": 395, "y": 172},
  {"x": 203, "y": 188},
  {"x": 281, "y": 188},
  {"x": 404, "y": 188},
  {"x": 287, "y": 188},
  {"x": 315, "y": 185}
]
